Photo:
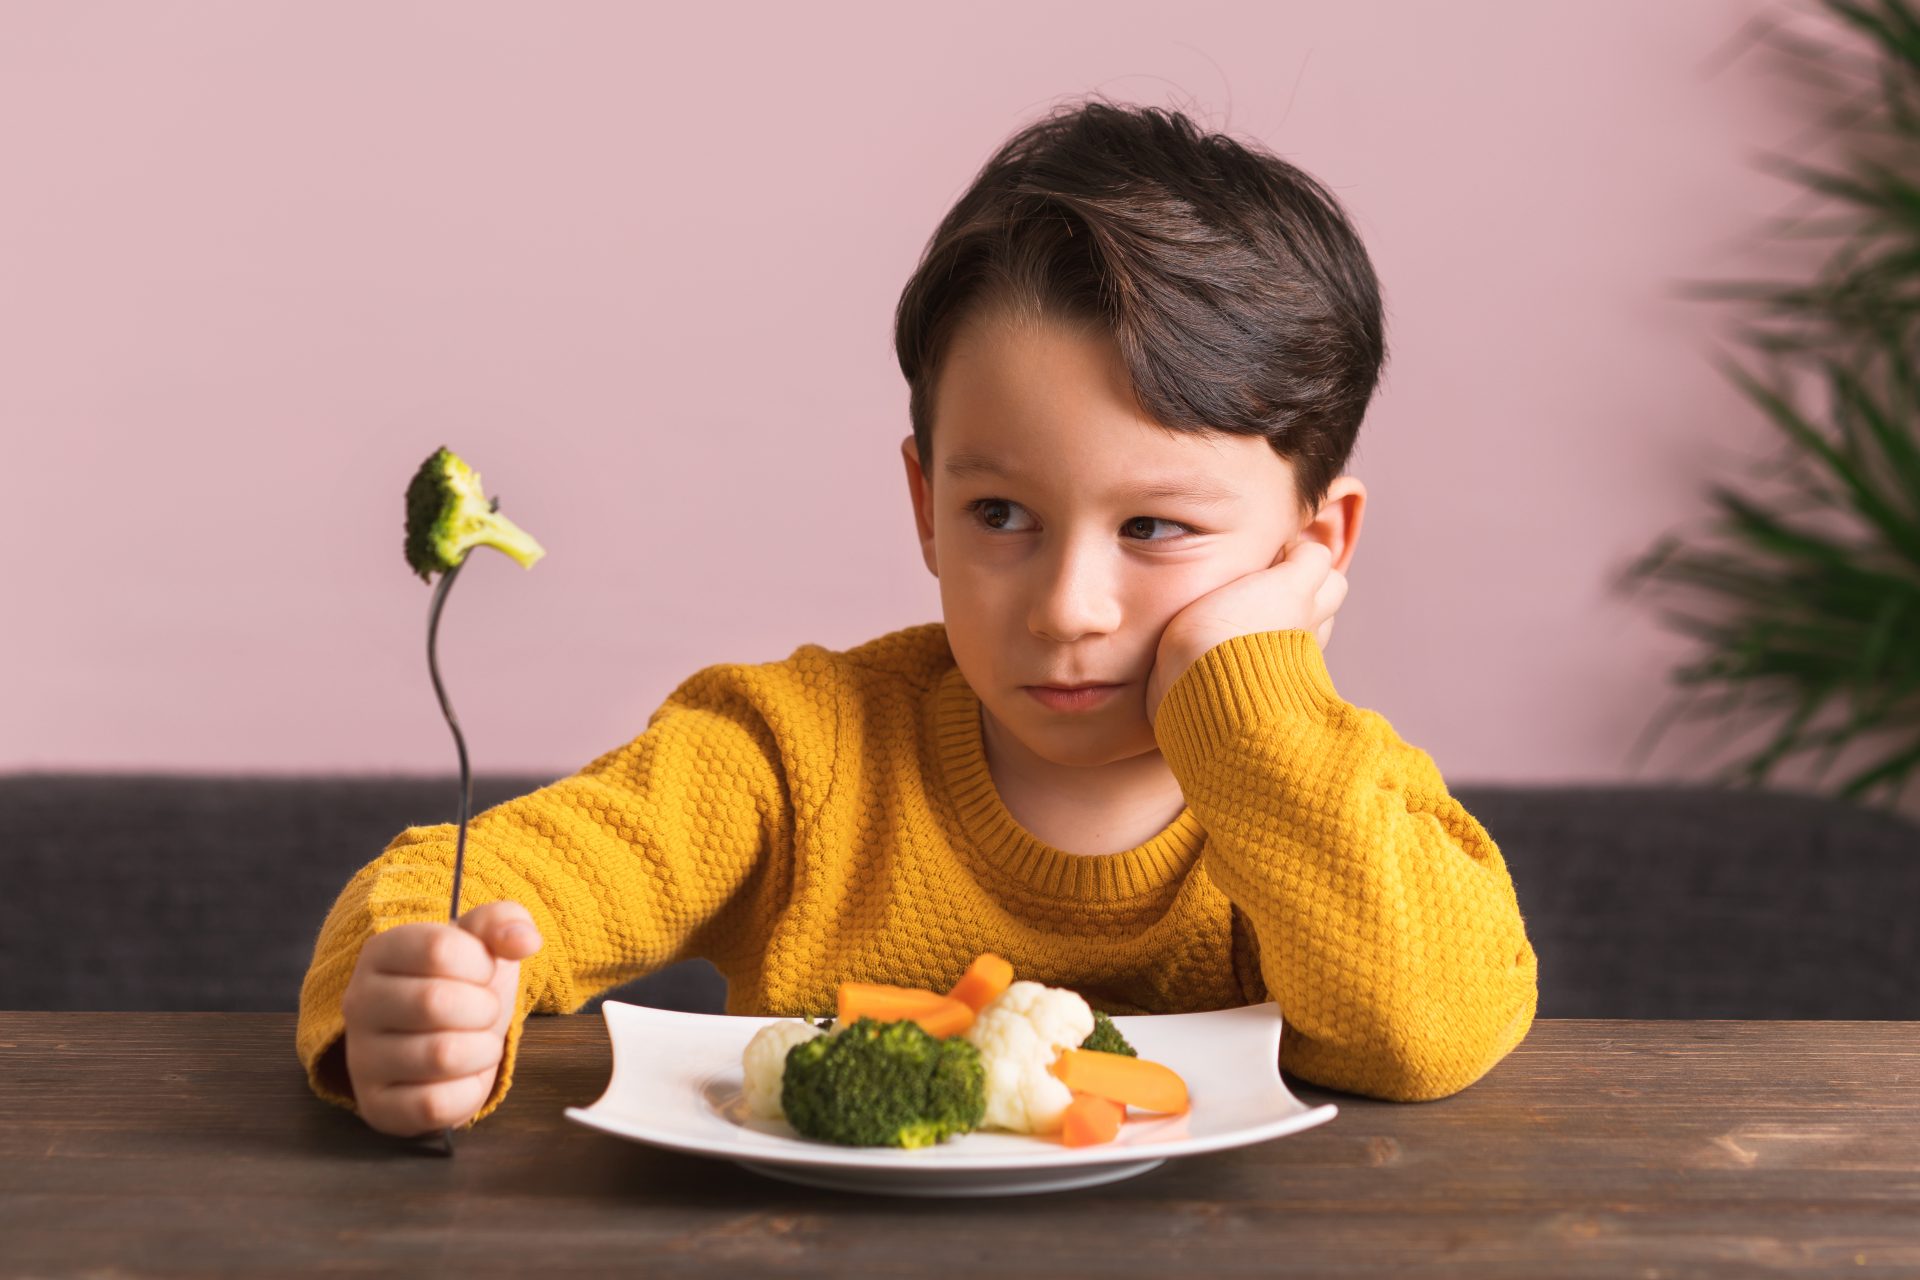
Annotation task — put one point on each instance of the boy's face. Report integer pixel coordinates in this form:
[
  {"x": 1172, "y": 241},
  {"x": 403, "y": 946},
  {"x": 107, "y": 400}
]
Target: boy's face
[{"x": 1056, "y": 569}]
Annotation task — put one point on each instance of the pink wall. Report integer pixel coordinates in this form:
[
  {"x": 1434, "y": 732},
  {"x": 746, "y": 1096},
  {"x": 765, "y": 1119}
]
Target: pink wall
[{"x": 639, "y": 263}]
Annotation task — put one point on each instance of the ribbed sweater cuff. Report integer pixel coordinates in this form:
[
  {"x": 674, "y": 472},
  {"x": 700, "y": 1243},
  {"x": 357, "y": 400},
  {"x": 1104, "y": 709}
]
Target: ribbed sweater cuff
[{"x": 1238, "y": 685}]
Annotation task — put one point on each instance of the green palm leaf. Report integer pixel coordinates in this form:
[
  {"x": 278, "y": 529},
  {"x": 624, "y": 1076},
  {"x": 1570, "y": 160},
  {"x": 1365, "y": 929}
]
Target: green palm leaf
[{"x": 1818, "y": 621}]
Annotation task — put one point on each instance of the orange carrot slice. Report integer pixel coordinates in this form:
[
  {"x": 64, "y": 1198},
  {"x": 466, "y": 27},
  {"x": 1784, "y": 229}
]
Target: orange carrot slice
[
  {"x": 1089, "y": 1120},
  {"x": 948, "y": 1018},
  {"x": 1133, "y": 1082},
  {"x": 938, "y": 1015},
  {"x": 881, "y": 1002},
  {"x": 983, "y": 981}
]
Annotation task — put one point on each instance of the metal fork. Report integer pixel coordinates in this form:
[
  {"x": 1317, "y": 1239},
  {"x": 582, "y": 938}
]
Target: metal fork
[{"x": 460, "y": 742}]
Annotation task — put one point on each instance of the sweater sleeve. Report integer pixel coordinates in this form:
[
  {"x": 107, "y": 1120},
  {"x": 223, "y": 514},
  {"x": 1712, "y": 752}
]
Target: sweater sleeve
[
  {"x": 662, "y": 849},
  {"x": 1386, "y": 923}
]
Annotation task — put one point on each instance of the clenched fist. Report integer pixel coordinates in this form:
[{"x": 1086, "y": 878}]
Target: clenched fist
[{"x": 427, "y": 1011}]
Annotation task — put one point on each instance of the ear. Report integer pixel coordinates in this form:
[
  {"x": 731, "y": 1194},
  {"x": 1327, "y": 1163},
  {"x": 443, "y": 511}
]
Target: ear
[
  {"x": 1337, "y": 523},
  {"x": 922, "y": 496}
]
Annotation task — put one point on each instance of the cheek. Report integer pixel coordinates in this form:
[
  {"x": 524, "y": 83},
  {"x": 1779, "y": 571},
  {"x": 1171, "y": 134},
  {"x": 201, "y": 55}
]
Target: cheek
[
  {"x": 1174, "y": 586},
  {"x": 983, "y": 590},
  {"x": 1177, "y": 586},
  {"x": 969, "y": 577}
]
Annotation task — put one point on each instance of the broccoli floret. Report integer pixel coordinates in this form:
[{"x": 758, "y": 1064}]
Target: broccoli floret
[
  {"x": 883, "y": 1084},
  {"x": 1107, "y": 1038},
  {"x": 448, "y": 514}
]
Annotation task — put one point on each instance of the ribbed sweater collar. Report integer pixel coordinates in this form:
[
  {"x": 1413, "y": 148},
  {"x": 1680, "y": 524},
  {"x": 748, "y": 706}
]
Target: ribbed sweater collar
[{"x": 1006, "y": 849}]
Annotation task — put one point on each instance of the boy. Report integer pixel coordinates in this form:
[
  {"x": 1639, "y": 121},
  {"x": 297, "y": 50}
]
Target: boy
[{"x": 1137, "y": 358}]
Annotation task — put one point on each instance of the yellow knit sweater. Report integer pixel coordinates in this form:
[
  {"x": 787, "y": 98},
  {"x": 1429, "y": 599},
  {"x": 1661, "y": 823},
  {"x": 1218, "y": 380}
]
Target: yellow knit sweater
[{"x": 831, "y": 817}]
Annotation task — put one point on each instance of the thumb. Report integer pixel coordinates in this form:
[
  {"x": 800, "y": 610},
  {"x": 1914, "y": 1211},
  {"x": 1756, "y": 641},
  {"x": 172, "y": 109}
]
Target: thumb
[{"x": 505, "y": 927}]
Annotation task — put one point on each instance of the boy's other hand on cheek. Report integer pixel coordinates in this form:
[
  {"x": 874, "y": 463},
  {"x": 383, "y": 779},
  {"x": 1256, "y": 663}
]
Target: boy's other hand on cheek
[{"x": 1300, "y": 590}]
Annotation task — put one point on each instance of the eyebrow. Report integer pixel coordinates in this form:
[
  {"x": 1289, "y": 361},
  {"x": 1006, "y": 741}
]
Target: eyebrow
[{"x": 965, "y": 464}]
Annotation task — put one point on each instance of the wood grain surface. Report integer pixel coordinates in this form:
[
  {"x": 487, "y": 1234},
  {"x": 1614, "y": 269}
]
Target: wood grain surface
[{"x": 163, "y": 1144}]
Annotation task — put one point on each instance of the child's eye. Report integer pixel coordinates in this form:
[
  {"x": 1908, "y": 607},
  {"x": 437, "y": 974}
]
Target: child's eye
[
  {"x": 979, "y": 510},
  {"x": 986, "y": 511},
  {"x": 1186, "y": 530}
]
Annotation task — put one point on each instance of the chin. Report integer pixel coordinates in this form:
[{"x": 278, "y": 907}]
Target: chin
[{"x": 1088, "y": 744}]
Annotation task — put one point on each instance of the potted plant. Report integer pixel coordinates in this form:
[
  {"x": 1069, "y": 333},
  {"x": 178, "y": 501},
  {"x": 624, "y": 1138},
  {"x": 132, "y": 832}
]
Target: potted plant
[{"x": 1815, "y": 594}]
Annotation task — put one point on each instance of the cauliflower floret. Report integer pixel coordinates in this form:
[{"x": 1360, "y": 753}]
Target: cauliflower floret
[
  {"x": 1019, "y": 1035},
  {"x": 765, "y": 1063}
]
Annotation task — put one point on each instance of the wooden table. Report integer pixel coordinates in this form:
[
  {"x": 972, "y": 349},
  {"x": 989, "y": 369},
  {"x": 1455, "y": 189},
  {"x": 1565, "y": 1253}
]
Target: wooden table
[{"x": 141, "y": 1144}]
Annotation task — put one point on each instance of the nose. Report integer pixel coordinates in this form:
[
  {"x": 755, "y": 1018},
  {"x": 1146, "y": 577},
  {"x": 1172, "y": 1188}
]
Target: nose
[{"x": 1075, "y": 595}]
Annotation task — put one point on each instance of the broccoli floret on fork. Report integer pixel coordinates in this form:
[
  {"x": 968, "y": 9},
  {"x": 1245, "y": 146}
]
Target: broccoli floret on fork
[{"x": 448, "y": 514}]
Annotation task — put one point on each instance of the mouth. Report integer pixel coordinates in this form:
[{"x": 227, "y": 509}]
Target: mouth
[{"x": 1082, "y": 697}]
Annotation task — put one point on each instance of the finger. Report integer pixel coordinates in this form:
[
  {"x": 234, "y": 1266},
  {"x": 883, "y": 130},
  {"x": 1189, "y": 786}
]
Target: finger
[
  {"x": 431, "y": 951},
  {"x": 1327, "y": 601},
  {"x": 1331, "y": 594},
  {"x": 1304, "y": 550},
  {"x": 505, "y": 927},
  {"x": 506, "y": 991},
  {"x": 410, "y": 1110},
  {"x": 396, "y": 1002},
  {"x": 432, "y": 1057}
]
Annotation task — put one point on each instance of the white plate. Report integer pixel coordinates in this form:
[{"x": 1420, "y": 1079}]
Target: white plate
[{"x": 677, "y": 1084}]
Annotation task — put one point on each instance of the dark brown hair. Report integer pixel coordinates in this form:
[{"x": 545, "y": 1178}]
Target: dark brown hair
[{"x": 1239, "y": 296}]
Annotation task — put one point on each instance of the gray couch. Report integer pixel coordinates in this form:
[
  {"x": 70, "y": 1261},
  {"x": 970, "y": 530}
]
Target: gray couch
[{"x": 125, "y": 891}]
